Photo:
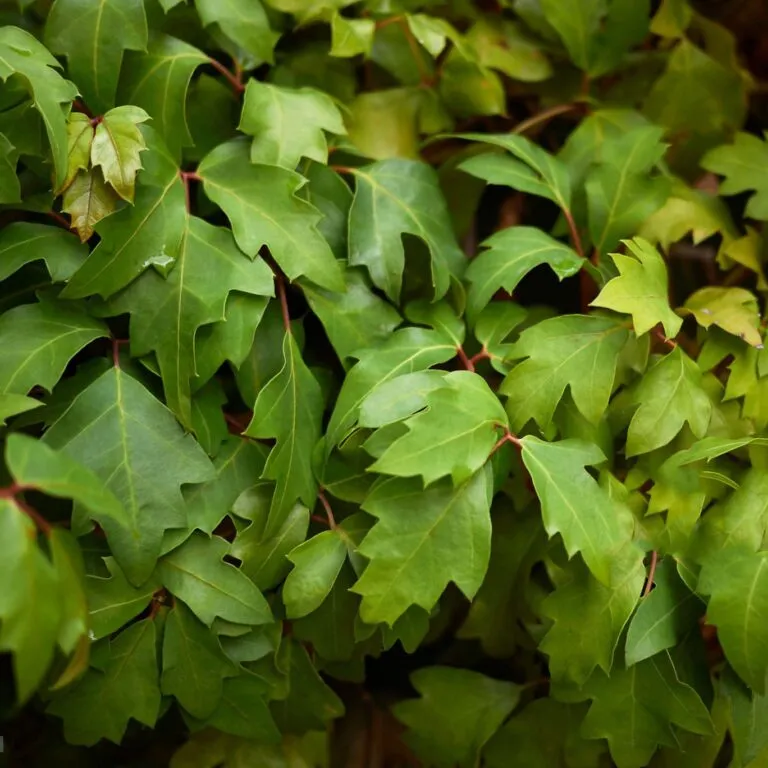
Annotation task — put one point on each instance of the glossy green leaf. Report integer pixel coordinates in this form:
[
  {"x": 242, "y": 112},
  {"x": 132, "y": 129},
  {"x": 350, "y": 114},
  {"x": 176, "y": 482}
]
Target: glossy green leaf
[
  {"x": 288, "y": 124},
  {"x": 24, "y": 242},
  {"x": 448, "y": 540},
  {"x": 38, "y": 340},
  {"x": 93, "y": 36},
  {"x": 194, "y": 666},
  {"x": 670, "y": 395},
  {"x": 261, "y": 204},
  {"x": 385, "y": 208},
  {"x": 124, "y": 672},
  {"x": 244, "y": 22},
  {"x": 509, "y": 256},
  {"x": 457, "y": 712},
  {"x": 574, "y": 505},
  {"x": 196, "y": 574},
  {"x": 289, "y": 409},
  {"x": 576, "y": 351},
  {"x": 132, "y": 442},
  {"x": 641, "y": 289}
]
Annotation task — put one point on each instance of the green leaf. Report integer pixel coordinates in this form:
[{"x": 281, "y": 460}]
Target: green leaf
[
  {"x": 544, "y": 734},
  {"x": 264, "y": 558},
  {"x": 576, "y": 351},
  {"x": 454, "y": 435},
  {"x": 406, "y": 351},
  {"x": 736, "y": 581},
  {"x": 316, "y": 566},
  {"x": 330, "y": 628},
  {"x": 499, "y": 606},
  {"x": 10, "y": 188},
  {"x": 244, "y": 22},
  {"x": 80, "y": 133},
  {"x": 113, "y": 602},
  {"x": 157, "y": 81},
  {"x": 310, "y": 703},
  {"x": 22, "y": 55},
  {"x": 693, "y": 78},
  {"x": 238, "y": 463},
  {"x": 351, "y": 37},
  {"x": 132, "y": 442},
  {"x": 125, "y": 675},
  {"x": 641, "y": 289},
  {"x": 289, "y": 409},
  {"x": 743, "y": 164},
  {"x": 583, "y": 601},
  {"x": 734, "y": 310},
  {"x": 243, "y": 711},
  {"x": 38, "y": 340},
  {"x": 355, "y": 319},
  {"x": 13, "y": 405},
  {"x": 88, "y": 200},
  {"x": 663, "y": 617},
  {"x": 740, "y": 520},
  {"x": 31, "y": 609},
  {"x": 621, "y": 194},
  {"x": 747, "y": 713},
  {"x": 288, "y": 124},
  {"x": 635, "y": 708},
  {"x": 84, "y": 32},
  {"x": 24, "y": 243},
  {"x": 394, "y": 198},
  {"x": 457, "y": 712},
  {"x": 261, "y": 204},
  {"x": 34, "y": 464},
  {"x": 510, "y": 255},
  {"x": 577, "y": 25},
  {"x": 670, "y": 395},
  {"x": 145, "y": 234},
  {"x": 166, "y": 313},
  {"x": 574, "y": 505},
  {"x": 534, "y": 170},
  {"x": 443, "y": 534},
  {"x": 117, "y": 146},
  {"x": 194, "y": 666},
  {"x": 196, "y": 574}
]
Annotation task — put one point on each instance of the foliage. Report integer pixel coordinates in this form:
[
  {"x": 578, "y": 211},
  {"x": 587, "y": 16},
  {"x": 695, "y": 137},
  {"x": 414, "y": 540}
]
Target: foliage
[{"x": 383, "y": 382}]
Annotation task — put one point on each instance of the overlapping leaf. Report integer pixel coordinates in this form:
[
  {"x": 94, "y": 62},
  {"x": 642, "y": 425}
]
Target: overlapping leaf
[{"x": 117, "y": 429}]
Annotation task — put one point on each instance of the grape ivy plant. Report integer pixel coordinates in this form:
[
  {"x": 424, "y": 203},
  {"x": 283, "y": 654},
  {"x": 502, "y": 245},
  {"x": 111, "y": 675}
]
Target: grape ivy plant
[{"x": 382, "y": 383}]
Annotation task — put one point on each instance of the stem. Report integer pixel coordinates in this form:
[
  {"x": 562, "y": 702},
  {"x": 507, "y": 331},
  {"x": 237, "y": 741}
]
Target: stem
[
  {"x": 327, "y": 507},
  {"x": 573, "y": 229},
  {"x": 116, "y": 350},
  {"x": 235, "y": 80},
  {"x": 465, "y": 361},
  {"x": 483, "y": 354},
  {"x": 343, "y": 169},
  {"x": 658, "y": 334},
  {"x": 280, "y": 283},
  {"x": 651, "y": 574},
  {"x": 60, "y": 220},
  {"x": 12, "y": 491},
  {"x": 544, "y": 116},
  {"x": 508, "y": 437},
  {"x": 186, "y": 177}
]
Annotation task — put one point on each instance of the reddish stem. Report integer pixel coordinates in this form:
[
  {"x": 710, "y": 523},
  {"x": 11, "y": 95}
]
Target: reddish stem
[
  {"x": 187, "y": 177},
  {"x": 235, "y": 80},
  {"x": 465, "y": 361},
  {"x": 508, "y": 437},
  {"x": 658, "y": 334},
  {"x": 12, "y": 492},
  {"x": 319, "y": 519},
  {"x": 280, "y": 282},
  {"x": 544, "y": 116},
  {"x": 343, "y": 169},
  {"x": 59, "y": 219},
  {"x": 573, "y": 229},
  {"x": 327, "y": 507},
  {"x": 483, "y": 354},
  {"x": 116, "y": 350},
  {"x": 651, "y": 574}
]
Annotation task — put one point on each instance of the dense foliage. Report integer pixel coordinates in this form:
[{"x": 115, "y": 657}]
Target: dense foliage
[{"x": 382, "y": 383}]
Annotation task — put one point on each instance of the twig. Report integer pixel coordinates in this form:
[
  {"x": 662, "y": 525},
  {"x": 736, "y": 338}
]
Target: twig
[
  {"x": 465, "y": 361},
  {"x": 651, "y": 574},
  {"x": 235, "y": 80},
  {"x": 280, "y": 283},
  {"x": 327, "y": 507},
  {"x": 573, "y": 229},
  {"x": 544, "y": 116},
  {"x": 508, "y": 437},
  {"x": 483, "y": 354},
  {"x": 186, "y": 177}
]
